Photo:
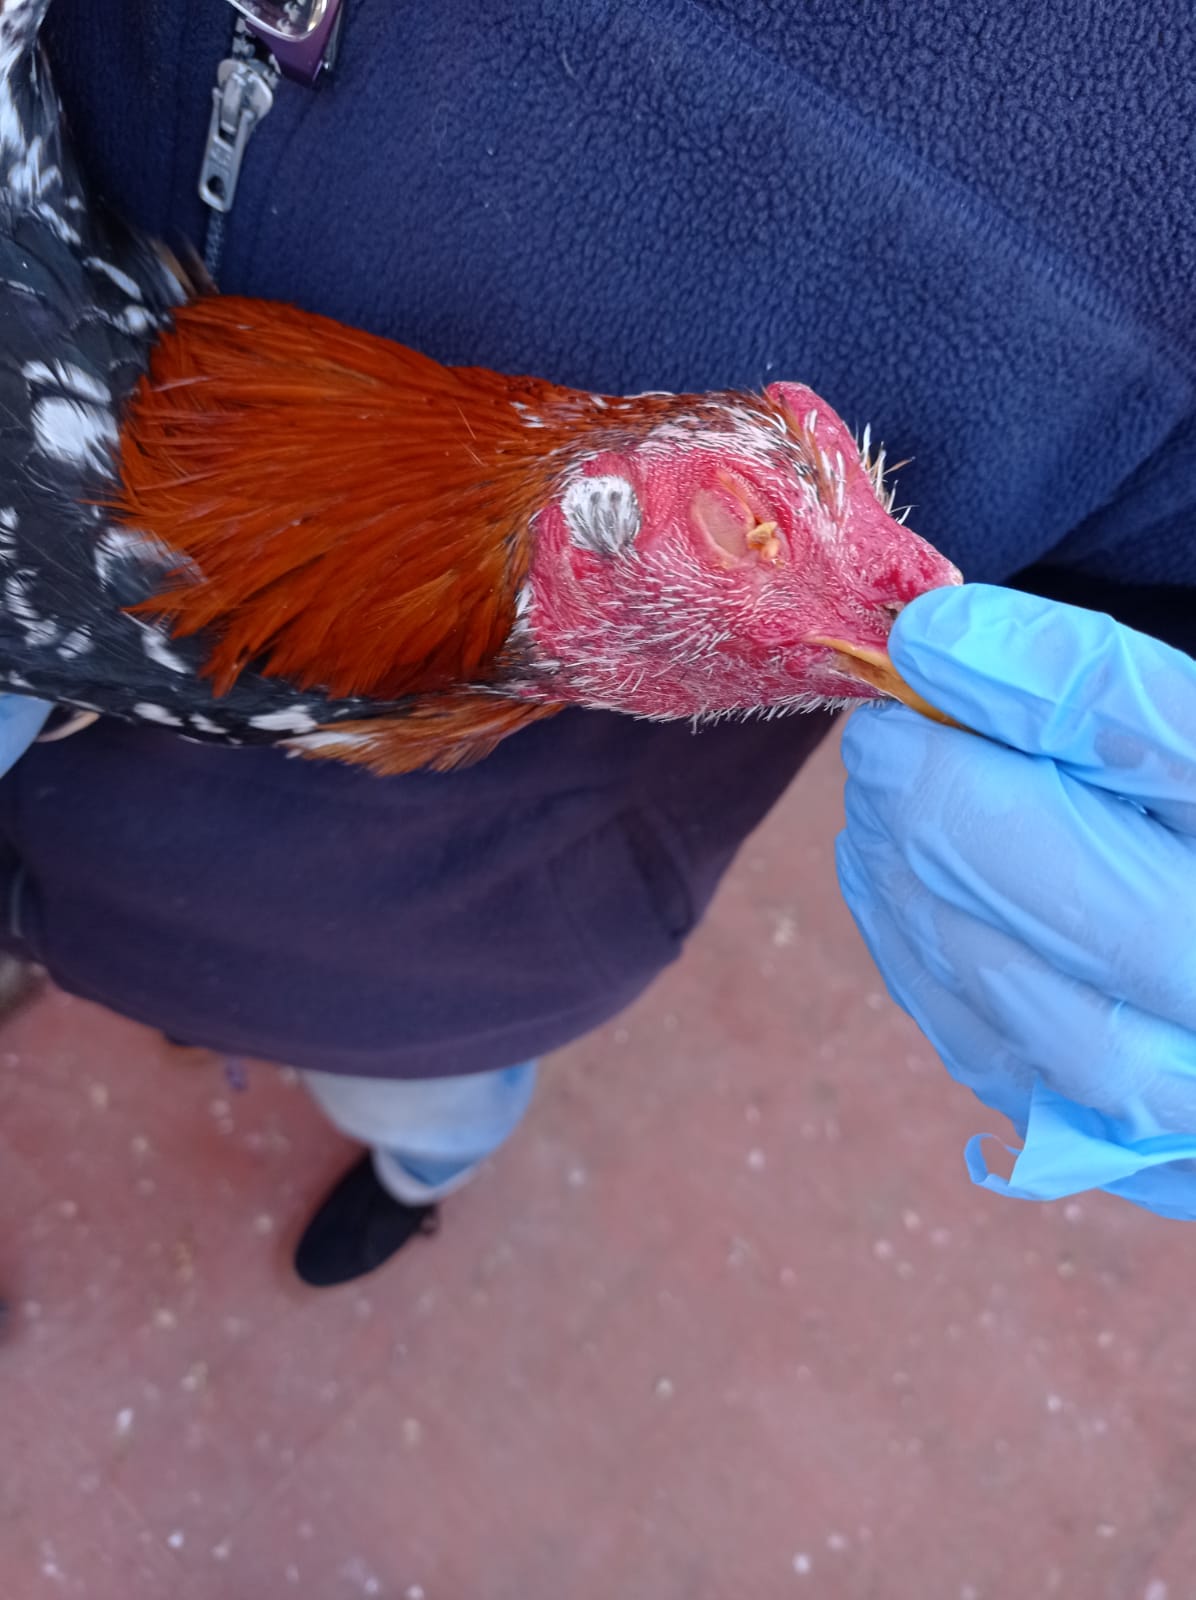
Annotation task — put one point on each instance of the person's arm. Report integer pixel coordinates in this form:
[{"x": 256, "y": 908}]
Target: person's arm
[
  {"x": 21, "y": 720},
  {"x": 1030, "y": 895}
]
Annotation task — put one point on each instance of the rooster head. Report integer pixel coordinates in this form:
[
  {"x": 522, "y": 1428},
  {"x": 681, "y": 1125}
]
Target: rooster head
[{"x": 704, "y": 564}]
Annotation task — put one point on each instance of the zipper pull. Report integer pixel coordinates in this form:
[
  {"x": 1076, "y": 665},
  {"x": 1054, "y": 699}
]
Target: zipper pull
[{"x": 243, "y": 93}]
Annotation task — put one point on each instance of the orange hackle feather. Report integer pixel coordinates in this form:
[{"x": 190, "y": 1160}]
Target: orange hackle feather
[
  {"x": 440, "y": 733},
  {"x": 348, "y": 514}
]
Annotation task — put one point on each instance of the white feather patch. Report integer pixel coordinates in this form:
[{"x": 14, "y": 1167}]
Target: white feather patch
[
  {"x": 329, "y": 739},
  {"x": 296, "y": 720},
  {"x": 75, "y": 431},
  {"x": 153, "y": 713},
  {"x": 76, "y": 643},
  {"x": 66, "y": 375},
  {"x": 121, "y": 279},
  {"x": 153, "y": 642}
]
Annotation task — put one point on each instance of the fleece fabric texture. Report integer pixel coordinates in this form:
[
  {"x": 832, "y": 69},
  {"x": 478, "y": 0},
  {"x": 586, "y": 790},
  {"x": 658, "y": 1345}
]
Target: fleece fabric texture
[{"x": 970, "y": 227}]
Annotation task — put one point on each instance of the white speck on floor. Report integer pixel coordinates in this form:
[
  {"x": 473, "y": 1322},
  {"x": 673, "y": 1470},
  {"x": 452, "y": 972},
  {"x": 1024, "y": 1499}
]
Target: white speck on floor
[
  {"x": 911, "y": 1220},
  {"x": 145, "y": 1187},
  {"x": 195, "y": 1377},
  {"x": 139, "y": 1145},
  {"x": 1054, "y": 1402},
  {"x": 1073, "y": 1211},
  {"x": 882, "y": 1249},
  {"x": 414, "y": 1592},
  {"x": 219, "y": 1108},
  {"x": 97, "y": 1093},
  {"x": 305, "y": 1530},
  {"x": 31, "y": 1309},
  {"x": 784, "y": 930},
  {"x": 68, "y": 1209},
  {"x": 802, "y": 1564},
  {"x": 663, "y": 1389},
  {"x": 1105, "y": 1339},
  {"x": 1156, "y": 1589},
  {"x": 291, "y": 1574},
  {"x": 836, "y": 1541},
  {"x": 124, "y": 1422},
  {"x": 412, "y": 1431},
  {"x": 164, "y": 1317},
  {"x": 576, "y": 1178},
  {"x": 222, "y": 1551},
  {"x": 356, "y": 1571},
  {"x": 177, "y": 1539},
  {"x": 940, "y": 1237},
  {"x": 263, "y": 1223},
  {"x": 969, "y": 1591},
  {"x": 756, "y": 1159},
  {"x": 787, "y": 1278},
  {"x": 363, "y": 1307},
  {"x": 1106, "y": 1530},
  {"x": 740, "y": 1253}
]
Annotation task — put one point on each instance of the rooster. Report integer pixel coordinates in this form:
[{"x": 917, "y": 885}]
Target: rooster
[{"x": 251, "y": 524}]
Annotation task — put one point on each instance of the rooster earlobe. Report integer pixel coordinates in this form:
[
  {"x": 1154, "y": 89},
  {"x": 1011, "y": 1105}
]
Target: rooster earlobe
[{"x": 602, "y": 513}]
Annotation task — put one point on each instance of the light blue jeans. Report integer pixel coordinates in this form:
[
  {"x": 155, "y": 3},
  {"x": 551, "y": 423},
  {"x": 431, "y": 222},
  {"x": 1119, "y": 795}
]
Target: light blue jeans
[{"x": 428, "y": 1135}]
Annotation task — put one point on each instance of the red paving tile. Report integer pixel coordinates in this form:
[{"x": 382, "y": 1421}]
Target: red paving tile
[{"x": 727, "y": 1320}]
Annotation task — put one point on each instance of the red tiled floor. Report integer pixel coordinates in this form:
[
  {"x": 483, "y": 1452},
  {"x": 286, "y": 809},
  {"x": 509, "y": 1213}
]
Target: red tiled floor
[{"x": 727, "y": 1320}]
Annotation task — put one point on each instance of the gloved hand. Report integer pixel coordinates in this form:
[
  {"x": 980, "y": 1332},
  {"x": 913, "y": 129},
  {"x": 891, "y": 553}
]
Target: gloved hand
[
  {"x": 1031, "y": 902},
  {"x": 21, "y": 721}
]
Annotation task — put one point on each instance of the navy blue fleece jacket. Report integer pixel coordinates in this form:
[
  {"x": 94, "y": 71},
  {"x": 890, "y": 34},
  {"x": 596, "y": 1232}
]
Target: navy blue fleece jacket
[{"x": 970, "y": 226}]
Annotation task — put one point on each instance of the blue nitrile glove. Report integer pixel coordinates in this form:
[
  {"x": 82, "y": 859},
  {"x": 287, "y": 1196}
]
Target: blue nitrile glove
[
  {"x": 20, "y": 723},
  {"x": 1032, "y": 903}
]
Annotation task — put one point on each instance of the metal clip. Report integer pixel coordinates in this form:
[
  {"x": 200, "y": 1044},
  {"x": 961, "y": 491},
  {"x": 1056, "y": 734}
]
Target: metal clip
[{"x": 241, "y": 97}]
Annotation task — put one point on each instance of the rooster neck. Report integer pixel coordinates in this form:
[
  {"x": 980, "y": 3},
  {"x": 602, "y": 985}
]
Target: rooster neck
[{"x": 342, "y": 511}]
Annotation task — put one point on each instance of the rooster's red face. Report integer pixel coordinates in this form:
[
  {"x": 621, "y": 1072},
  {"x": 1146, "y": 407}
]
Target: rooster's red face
[{"x": 688, "y": 569}]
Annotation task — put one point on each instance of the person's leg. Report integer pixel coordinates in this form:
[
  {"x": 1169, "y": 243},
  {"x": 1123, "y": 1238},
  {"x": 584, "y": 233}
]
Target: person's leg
[{"x": 427, "y": 1137}]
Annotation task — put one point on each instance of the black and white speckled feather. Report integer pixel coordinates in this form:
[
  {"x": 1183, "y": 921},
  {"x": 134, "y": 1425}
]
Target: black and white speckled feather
[{"x": 82, "y": 299}]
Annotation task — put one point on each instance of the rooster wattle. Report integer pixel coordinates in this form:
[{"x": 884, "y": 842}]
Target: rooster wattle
[{"x": 251, "y": 524}]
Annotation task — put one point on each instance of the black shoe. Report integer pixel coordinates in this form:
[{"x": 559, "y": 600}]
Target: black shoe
[{"x": 359, "y": 1226}]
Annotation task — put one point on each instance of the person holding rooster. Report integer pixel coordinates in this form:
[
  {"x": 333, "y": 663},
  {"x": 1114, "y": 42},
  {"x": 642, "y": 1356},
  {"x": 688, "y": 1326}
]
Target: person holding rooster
[{"x": 964, "y": 229}]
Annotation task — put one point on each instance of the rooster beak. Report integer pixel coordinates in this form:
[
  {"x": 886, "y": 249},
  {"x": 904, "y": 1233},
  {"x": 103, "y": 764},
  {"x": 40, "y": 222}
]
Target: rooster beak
[{"x": 874, "y": 667}]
